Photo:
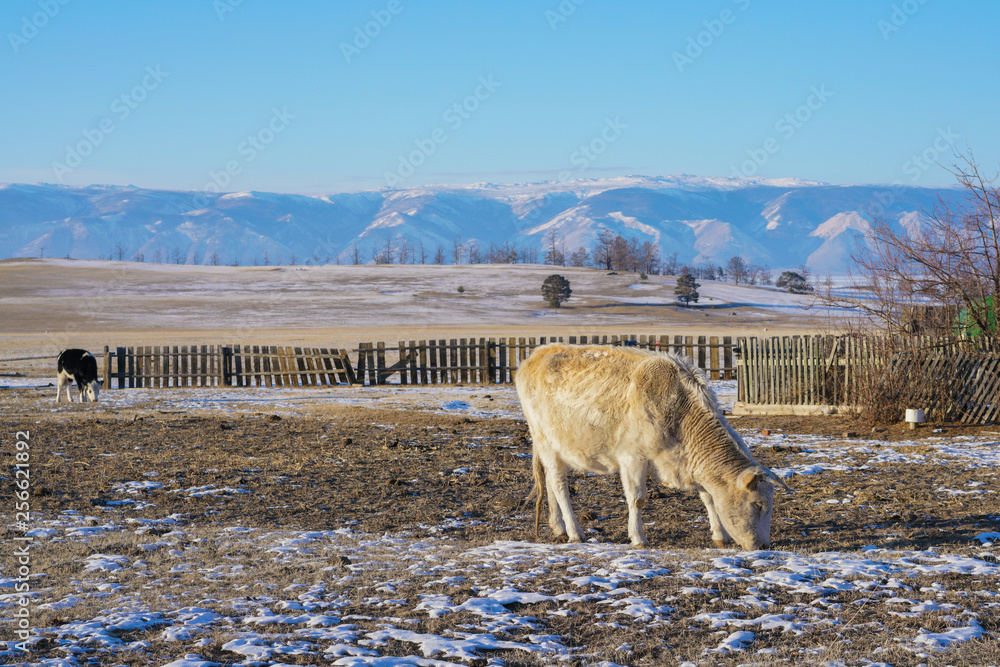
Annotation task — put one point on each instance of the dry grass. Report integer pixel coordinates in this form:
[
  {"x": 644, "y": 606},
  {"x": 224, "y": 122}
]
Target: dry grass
[{"x": 390, "y": 473}]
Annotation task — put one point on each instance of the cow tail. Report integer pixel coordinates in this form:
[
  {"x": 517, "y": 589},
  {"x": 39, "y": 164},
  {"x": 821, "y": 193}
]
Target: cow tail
[{"x": 538, "y": 470}]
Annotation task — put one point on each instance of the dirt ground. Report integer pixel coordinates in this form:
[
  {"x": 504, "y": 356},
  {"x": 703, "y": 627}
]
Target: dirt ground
[{"x": 385, "y": 470}]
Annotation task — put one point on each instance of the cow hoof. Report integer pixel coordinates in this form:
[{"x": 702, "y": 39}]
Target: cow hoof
[{"x": 721, "y": 544}]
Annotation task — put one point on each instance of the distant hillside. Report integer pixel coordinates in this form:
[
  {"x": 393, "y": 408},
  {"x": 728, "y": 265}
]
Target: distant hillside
[{"x": 779, "y": 223}]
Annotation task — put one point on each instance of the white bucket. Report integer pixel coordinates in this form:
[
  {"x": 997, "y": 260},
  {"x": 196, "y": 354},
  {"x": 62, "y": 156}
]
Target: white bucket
[{"x": 914, "y": 416}]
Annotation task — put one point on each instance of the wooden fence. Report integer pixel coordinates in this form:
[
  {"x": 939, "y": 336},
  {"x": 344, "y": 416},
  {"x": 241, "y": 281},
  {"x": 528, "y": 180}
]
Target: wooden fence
[
  {"x": 951, "y": 381},
  {"x": 494, "y": 360},
  {"x": 424, "y": 362},
  {"x": 159, "y": 367}
]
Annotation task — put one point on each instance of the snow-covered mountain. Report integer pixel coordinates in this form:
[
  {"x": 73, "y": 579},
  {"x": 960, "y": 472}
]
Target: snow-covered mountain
[{"x": 780, "y": 223}]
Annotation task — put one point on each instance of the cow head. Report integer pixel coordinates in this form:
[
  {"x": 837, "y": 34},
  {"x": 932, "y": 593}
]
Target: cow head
[
  {"x": 90, "y": 391},
  {"x": 745, "y": 511}
]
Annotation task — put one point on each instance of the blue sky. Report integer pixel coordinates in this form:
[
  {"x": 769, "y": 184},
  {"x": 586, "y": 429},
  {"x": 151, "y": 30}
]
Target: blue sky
[{"x": 338, "y": 96}]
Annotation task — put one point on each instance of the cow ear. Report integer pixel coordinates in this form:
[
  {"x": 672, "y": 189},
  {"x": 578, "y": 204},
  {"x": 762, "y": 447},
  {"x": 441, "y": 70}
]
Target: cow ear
[{"x": 749, "y": 479}]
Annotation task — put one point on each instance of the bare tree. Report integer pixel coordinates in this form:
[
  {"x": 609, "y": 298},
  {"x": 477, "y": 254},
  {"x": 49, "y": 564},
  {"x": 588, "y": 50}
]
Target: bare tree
[
  {"x": 494, "y": 254},
  {"x": 737, "y": 270},
  {"x": 670, "y": 265},
  {"x": 439, "y": 255},
  {"x": 620, "y": 254},
  {"x": 457, "y": 250},
  {"x": 604, "y": 249},
  {"x": 952, "y": 258},
  {"x": 356, "y": 255},
  {"x": 632, "y": 255},
  {"x": 502, "y": 254},
  {"x": 580, "y": 257},
  {"x": 384, "y": 257},
  {"x": 649, "y": 257},
  {"x": 554, "y": 256}
]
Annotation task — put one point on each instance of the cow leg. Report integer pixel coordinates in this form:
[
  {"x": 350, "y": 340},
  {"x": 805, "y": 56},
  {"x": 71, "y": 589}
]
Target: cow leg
[
  {"x": 633, "y": 474},
  {"x": 63, "y": 382},
  {"x": 562, "y": 519},
  {"x": 719, "y": 534}
]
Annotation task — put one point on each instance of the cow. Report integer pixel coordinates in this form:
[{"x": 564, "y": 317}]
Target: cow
[
  {"x": 606, "y": 409},
  {"x": 78, "y": 365}
]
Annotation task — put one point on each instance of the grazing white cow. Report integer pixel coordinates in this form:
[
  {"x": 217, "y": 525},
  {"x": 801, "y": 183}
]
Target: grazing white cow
[
  {"x": 605, "y": 409},
  {"x": 78, "y": 365}
]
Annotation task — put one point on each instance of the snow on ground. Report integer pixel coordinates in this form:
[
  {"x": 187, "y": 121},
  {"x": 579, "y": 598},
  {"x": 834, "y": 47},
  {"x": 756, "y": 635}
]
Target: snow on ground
[
  {"x": 476, "y": 401},
  {"x": 503, "y": 592},
  {"x": 500, "y": 592}
]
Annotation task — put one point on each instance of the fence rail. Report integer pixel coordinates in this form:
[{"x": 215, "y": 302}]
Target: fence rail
[{"x": 422, "y": 362}]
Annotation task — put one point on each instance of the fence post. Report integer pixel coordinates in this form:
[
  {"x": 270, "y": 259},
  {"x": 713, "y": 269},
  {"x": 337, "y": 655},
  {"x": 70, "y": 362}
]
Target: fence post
[
  {"x": 224, "y": 356},
  {"x": 106, "y": 364},
  {"x": 120, "y": 356},
  {"x": 491, "y": 365},
  {"x": 380, "y": 362},
  {"x": 432, "y": 359},
  {"x": 463, "y": 356},
  {"x": 484, "y": 361},
  {"x": 741, "y": 388}
]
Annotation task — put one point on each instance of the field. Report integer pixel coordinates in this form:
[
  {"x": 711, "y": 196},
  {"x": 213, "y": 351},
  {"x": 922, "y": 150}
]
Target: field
[
  {"x": 389, "y": 526},
  {"x": 54, "y": 304}
]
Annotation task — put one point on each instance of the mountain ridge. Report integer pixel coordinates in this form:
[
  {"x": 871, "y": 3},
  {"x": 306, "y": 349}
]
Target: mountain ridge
[{"x": 781, "y": 223}]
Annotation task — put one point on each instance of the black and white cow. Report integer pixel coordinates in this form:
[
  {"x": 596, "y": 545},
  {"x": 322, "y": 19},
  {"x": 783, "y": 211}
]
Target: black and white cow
[{"x": 81, "y": 366}]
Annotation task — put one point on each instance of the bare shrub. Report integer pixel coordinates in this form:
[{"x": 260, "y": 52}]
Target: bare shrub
[{"x": 948, "y": 261}]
